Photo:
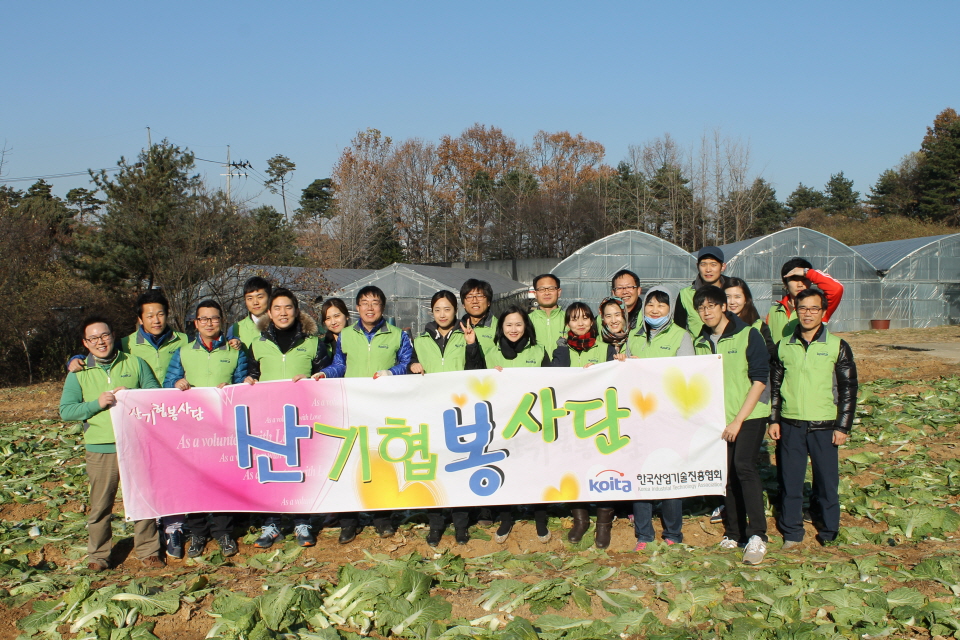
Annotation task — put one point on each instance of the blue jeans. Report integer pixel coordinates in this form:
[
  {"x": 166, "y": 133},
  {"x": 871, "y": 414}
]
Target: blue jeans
[{"x": 670, "y": 510}]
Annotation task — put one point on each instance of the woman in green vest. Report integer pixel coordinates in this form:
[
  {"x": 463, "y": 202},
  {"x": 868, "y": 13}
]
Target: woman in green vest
[
  {"x": 514, "y": 346},
  {"x": 287, "y": 349},
  {"x": 580, "y": 347},
  {"x": 446, "y": 345},
  {"x": 659, "y": 337},
  {"x": 740, "y": 302},
  {"x": 613, "y": 327},
  {"x": 88, "y": 395}
]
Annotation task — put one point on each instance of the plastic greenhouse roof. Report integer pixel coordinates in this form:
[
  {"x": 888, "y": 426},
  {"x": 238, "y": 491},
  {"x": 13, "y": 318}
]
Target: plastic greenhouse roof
[
  {"x": 443, "y": 277},
  {"x": 615, "y": 243},
  {"x": 884, "y": 255},
  {"x": 338, "y": 278}
]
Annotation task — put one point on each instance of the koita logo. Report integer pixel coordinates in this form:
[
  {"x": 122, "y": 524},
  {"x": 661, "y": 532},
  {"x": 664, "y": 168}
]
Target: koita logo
[{"x": 610, "y": 483}]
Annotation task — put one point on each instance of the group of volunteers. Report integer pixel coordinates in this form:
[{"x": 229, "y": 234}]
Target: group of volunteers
[{"x": 785, "y": 376}]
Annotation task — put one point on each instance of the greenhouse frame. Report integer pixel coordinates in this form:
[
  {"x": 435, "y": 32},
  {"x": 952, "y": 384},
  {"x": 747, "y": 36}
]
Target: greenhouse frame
[
  {"x": 920, "y": 279},
  {"x": 585, "y": 275},
  {"x": 758, "y": 261},
  {"x": 409, "y": 288}
]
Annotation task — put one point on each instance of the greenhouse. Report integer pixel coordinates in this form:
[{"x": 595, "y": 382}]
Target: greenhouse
[
  {"x": 921, "y": 279},
  {"x": 758, "y": 261},
  {"x": 585, "y": 275},
  {"x": 409, "y": 288}
]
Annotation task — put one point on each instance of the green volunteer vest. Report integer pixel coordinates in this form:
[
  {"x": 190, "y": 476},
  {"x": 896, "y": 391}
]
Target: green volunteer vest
[
  {"x": 94, "y": 380},
  {"x": 208, "y": 369},
  {"x": 549, "y": 328},
  {"x": 529, "y": 357},
  {"x": 736, "y": 379},
  {"x": 664, "y": 344},
  {"x": 487, "y": 332},
  {"x": 594, "y": 355},
  {"x": 780, "y": 326},
  {"x": 365, "y": 358},
  {"x": 157, "y": 359},
  {"x": 807, "y": 388},
  {"x": 694, "y": 323},
  {"x": 246, "y": 330},
  {"x": 275, "y": 365},
  {"x": 453, "y": 358}
]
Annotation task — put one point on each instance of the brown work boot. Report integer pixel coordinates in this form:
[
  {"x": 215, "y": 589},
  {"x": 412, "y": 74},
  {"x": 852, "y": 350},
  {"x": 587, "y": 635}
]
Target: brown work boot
[
  {"x": 98, "y": 564},
  {"x": 152, "y": 562},
  {"x": 604, "y": 527},
  {"x": 581, "y": 522}
]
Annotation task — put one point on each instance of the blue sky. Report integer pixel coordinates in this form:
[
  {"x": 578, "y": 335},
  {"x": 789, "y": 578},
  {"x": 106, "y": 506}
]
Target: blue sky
[{"x": 814, "y": 87}]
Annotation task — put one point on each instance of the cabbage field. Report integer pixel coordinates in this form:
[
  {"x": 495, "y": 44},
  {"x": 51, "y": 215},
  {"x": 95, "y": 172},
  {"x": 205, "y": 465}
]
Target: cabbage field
[{"x": 894, "y": 572}]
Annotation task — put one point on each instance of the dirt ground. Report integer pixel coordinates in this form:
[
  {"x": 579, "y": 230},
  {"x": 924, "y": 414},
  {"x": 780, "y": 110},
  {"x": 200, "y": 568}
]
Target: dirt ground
[{"x": 875, "y": 356}]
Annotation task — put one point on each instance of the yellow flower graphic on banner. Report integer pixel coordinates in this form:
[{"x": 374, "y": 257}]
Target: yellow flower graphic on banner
[
  {"x": 569, "y": 490},
  {"x": 689, "y": 396},
  {"x": 384, "y": 492},
  {"x": 645, "y": 404},
  {"x": 483, "y": 388}
]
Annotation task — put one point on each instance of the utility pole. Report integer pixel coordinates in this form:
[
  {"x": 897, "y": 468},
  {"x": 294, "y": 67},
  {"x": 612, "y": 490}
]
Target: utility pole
[
  {"x": 230, "y": 166},
  {"x": 149, "y": 143},
  {"x": 229, "y": 173}
]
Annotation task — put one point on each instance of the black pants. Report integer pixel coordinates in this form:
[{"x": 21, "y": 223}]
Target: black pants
[
  {"x": 507, "y": 518},
  {"x": 220, "y": 524},
  {"x": 793, "y": 448},
  {"x": 743, "y": 516},
  {"x": 438, "y": 519}
]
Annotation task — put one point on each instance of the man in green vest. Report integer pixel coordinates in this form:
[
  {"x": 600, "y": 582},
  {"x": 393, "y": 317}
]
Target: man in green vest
[
  {"x": 799, "y": 275},
  {"x": 625, "y": 285},
  {"x": 710, "y": 267},
  {"x": 369, "y": 348},
  {"x": 746, "y": 367},
  {"x": 476, "y": 296},
  {"x": 814, "y": 398},
  {"x": 88, "y": 395},
  {"x": 256, "y": 297},
  {"x": 208, "y": 362},
  {"x": 548, "y": 317}
]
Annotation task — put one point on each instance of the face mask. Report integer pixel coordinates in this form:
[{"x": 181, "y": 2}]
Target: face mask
[{"x": 656, "y": 323}]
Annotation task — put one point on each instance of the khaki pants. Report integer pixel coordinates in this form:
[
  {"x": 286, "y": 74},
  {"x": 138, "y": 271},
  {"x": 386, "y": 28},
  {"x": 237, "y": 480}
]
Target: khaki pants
[{"x": 104, "y": 475}]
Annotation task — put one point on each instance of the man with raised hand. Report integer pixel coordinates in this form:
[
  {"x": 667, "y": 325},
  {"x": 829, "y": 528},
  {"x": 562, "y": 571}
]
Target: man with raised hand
[
  {"x": 625, "y": 284},
  {"x": 476, "y": 296},
  {"x": 813, "y": 401},
  {"x": 710, "y": 267},
  {"x": 208, "y": 362},
  {"x": 548, "y": 317},
  {"x": 369, "y": 348},
  {"x": 799, "y": 275}
]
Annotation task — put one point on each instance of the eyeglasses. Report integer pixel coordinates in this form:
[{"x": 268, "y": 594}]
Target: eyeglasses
[
  {"x": 809, "y": 309},
  {"x": 707, "y": 307},
  {"x": 624, "y": 288},
  {"x": 546, "y": 289},
  {"x": 477, "y": 296},
  {"x": 103, "y": 337},
  {"x": 368, "y": 304},
  {"x": 211, "y": 320}
]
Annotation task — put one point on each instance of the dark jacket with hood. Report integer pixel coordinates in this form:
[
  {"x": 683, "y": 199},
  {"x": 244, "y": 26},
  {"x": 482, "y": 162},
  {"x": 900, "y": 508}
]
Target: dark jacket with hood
[{"x": 305, "y": 327}]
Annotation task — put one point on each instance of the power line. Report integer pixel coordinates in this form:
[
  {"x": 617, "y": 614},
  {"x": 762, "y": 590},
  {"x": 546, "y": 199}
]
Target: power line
[{"x": 71, "y": 174}]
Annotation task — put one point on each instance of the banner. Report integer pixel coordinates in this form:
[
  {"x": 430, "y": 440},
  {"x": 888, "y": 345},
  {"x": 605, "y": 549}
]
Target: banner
[{"x": 642, "y": 429}]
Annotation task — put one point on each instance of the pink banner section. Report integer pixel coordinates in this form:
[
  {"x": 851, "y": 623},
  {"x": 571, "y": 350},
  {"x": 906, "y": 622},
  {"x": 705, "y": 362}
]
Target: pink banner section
[{"x": 641, "y": 429}]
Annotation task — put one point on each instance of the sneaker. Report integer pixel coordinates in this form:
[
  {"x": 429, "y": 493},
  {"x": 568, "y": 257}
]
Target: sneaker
[
  {"x": 196, "y": 546},
  {"x": 269, "y": 533},
  {"x": 228, "y": 546},
  {"x": 754, "y": 551},
  {"x": 173, "y": 543},
  {"x": 640, "y": 546},
  {"x": 305, "y": 537},
  {"x": 717, "y": 516},
  {"x": 462, "y": 536},
  {"x": 790, "y": 544},
  {"x": 669, "y": 541},
  {"x": 727, "y": 543},
  {"x": 433, "y": 538}
]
